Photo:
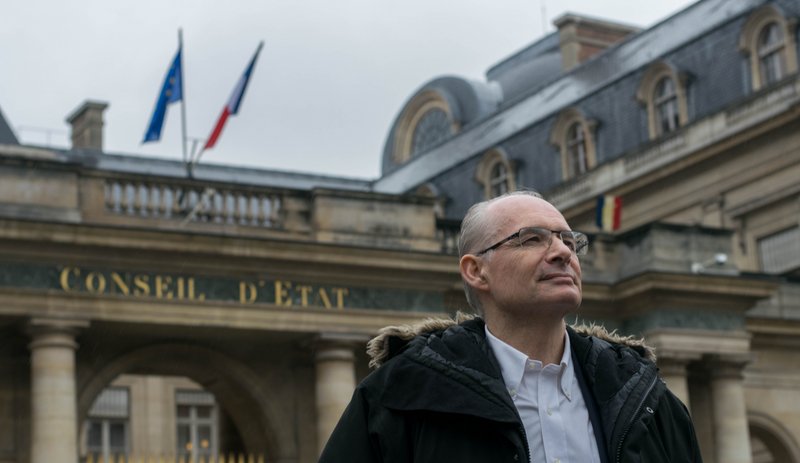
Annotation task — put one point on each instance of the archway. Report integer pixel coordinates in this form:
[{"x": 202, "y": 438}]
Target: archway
[
  {"x": 236, "y": 387},
  {"x": 770, "y": 441}
]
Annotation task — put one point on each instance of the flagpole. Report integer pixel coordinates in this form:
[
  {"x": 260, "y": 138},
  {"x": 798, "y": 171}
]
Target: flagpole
[{"x": 183, "y": 98}]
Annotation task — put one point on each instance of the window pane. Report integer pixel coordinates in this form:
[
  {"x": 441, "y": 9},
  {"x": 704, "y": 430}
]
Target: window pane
[
  {"x": 204, "y": 412},
  {"x": 94, "y": 436},
  {"x": 116, "y": 437},
  {"x": 771, "y": 53},
  {"x": 432, "y": 129},
  {"x": 184, "y": 439},
  {"x": 576, "y": 150},
  {"x": 666, "y": 106},
  {"x": 183, "y": 411},
  {"x": 204, "y": 438},
  {"x": 111, "y": 403}
]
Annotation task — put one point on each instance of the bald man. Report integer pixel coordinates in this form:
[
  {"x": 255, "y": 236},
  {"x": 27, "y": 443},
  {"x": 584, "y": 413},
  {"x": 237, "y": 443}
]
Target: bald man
[{"x": 516, "y": 383}]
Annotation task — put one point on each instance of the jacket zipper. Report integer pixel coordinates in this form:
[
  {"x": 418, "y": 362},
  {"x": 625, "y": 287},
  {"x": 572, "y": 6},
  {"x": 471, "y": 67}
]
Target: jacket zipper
[
  {"x": 635, "y": 417},
  {"x": 525, "y": 442}
]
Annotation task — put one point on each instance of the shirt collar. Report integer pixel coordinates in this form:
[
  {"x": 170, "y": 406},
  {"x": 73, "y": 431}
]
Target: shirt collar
[{"x": 513, "y": 362}]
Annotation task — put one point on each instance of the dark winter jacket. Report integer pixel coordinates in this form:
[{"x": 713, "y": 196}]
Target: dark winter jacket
[{"x": 438, "y": 396}]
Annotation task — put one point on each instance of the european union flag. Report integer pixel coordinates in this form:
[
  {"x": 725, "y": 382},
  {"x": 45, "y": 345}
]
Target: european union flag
[{"x": 171, "y": 91}]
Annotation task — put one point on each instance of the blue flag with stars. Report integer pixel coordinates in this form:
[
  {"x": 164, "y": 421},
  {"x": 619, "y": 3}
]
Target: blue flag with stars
[{"x": 171, "y": 91}]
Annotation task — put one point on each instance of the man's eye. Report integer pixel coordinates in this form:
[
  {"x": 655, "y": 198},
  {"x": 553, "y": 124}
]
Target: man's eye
[
  {"x": 571, "y": 244},
  {"x": 532, "y": 240}
]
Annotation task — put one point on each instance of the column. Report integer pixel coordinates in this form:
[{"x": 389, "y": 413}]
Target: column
[
  {"x": 673, "y": 372},
  {"x": 731, "y": 433},
  {"x": 336, "y": 380},
  {"x": 54, "y": 416}
]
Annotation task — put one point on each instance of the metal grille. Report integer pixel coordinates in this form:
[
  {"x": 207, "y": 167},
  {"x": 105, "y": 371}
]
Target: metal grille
[
  {"x": 111, "y": 403},
  {"x": 780, "y": 252}
]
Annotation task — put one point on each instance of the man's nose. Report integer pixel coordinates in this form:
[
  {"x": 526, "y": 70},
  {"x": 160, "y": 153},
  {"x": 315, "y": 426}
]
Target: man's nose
[{"x": 558, "y": 249}]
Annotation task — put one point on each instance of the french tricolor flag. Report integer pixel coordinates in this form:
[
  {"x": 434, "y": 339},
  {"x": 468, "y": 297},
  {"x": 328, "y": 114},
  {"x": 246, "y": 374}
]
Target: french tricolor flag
[
  {"x": 234, "y": 102},
  {"x": 609, "y": 212}
]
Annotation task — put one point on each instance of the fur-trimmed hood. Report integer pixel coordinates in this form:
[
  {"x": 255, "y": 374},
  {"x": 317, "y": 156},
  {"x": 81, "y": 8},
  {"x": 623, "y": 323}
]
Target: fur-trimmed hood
[{"x": 392, "y": 339}]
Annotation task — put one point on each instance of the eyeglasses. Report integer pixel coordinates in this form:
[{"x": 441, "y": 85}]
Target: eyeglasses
[{"x": 535, "y": 237}]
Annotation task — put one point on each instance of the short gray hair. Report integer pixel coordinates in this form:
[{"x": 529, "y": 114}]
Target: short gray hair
[{"x": 474, "y": 232}]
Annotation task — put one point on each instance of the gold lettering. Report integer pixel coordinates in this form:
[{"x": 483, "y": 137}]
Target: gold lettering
[
  {"x": 323, "y": 296},
  {"x": 247, "y": 292},
  {"x": 142, "y": 283},
  {"x": 340, "y": 294},
  {"x": 179, "y": 283},
  {"x": 305, "y": 290},
  {"x": 64, "y": 279},
  {"x": 95, "y": 283},
  {"x": 120, "y": 284},
  {"x": 282, "y": 293},
  {"x": 200, "y": 296},
  {"x": 162, "y": 287}
]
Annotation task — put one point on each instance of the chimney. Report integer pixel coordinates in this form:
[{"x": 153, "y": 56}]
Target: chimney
[
  {"x": 87, "y": 125},
  {"x": 581, "y": 37}
]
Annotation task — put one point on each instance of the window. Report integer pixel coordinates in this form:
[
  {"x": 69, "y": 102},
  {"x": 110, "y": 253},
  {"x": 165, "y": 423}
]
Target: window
[
  {"x": 771, "y": 54},
  {"x": 425, "y": 122},
  {"x": 576, "y": 150},
  {"x": 106, "y": 428},
  {"x": 498, "y": 179},
  {"x": 495, "y": 173},
  {"x": 433, "y": 128},
  {"x": 666, "y": 103},
  {"x": 572, "y": 135},
  {"x": 780, "y": 252},
  {"x": 196, "y": 419},
  {"x": 769, "y": 45},
  {"x": 663, "y": 93}
]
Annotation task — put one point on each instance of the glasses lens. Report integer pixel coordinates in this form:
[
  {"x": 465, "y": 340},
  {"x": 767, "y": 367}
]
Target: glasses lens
[
  {"x": 576, "y": 241},
  {"x": 533, "y": 237}
]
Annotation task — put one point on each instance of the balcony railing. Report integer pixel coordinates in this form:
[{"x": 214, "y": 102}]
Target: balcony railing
[{"x": 162, "y": 200}]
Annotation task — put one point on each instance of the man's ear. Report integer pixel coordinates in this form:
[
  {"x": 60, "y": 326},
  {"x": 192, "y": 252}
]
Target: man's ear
[{"x": 472, "y": 272}]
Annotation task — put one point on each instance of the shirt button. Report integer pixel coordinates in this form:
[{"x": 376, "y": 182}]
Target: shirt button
[
  {"x": 556, "y": 461},
  {"x": 549, "y": 413}
]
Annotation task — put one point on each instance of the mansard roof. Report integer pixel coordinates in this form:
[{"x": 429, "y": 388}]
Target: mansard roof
[{"x": 603, "y": 71}]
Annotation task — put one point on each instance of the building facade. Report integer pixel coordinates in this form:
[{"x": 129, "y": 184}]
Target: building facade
[{"x": 149, "y": 312}]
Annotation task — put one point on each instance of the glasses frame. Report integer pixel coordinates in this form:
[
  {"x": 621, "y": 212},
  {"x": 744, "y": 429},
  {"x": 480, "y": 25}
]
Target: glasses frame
[{"x": 576, "y": 235}]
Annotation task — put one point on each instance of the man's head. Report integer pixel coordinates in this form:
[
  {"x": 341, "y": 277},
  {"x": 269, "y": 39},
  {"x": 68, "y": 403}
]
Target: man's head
[{"x": 535, "y": 272}]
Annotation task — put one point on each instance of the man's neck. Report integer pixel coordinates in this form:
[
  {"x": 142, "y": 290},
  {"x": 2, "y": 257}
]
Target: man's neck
[{"x": 539, "y": 339}]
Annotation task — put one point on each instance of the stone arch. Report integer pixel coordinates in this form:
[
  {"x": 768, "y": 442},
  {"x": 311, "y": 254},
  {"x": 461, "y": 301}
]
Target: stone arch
[
  {"x": 236, "y": 387},
  {"x": 777, "y": 440}
]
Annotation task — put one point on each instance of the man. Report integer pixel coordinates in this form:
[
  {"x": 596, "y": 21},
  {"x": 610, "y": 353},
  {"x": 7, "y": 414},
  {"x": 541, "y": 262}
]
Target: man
[{"x": 518, "y": 384}]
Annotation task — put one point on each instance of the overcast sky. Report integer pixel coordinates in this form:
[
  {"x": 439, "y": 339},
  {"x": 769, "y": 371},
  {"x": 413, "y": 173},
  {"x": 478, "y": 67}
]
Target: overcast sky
[{"x": 330, "y": 80}]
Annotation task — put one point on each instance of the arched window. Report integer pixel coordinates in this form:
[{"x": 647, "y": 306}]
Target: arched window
[
  {"x": 573, "y": 135},
  {"x": 666, "y": 103},
  {"x": 431, "y": 129},
  {"x": 496, "y": 173},
  {"x": 771, "y": 54},
  {"x": 425, "y": 122},
  {"x": 769, "y": 43},
  {"x": 663, "y": 92}
]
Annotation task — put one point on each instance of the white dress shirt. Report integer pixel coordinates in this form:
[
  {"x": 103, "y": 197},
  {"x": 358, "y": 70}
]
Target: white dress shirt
[{"x": 550, "y": 404}]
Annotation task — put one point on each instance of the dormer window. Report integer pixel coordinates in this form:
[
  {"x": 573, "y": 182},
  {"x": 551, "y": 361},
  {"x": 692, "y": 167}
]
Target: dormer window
[
  {"x": 426, "y": 122},
  {"x": 663, "y": 93},
  {"x": 431, "y": 129},
  {"x": 495, "y": 173},
  {"x": 573, "y": 135},
  {"x": 769, "y": 43}
]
